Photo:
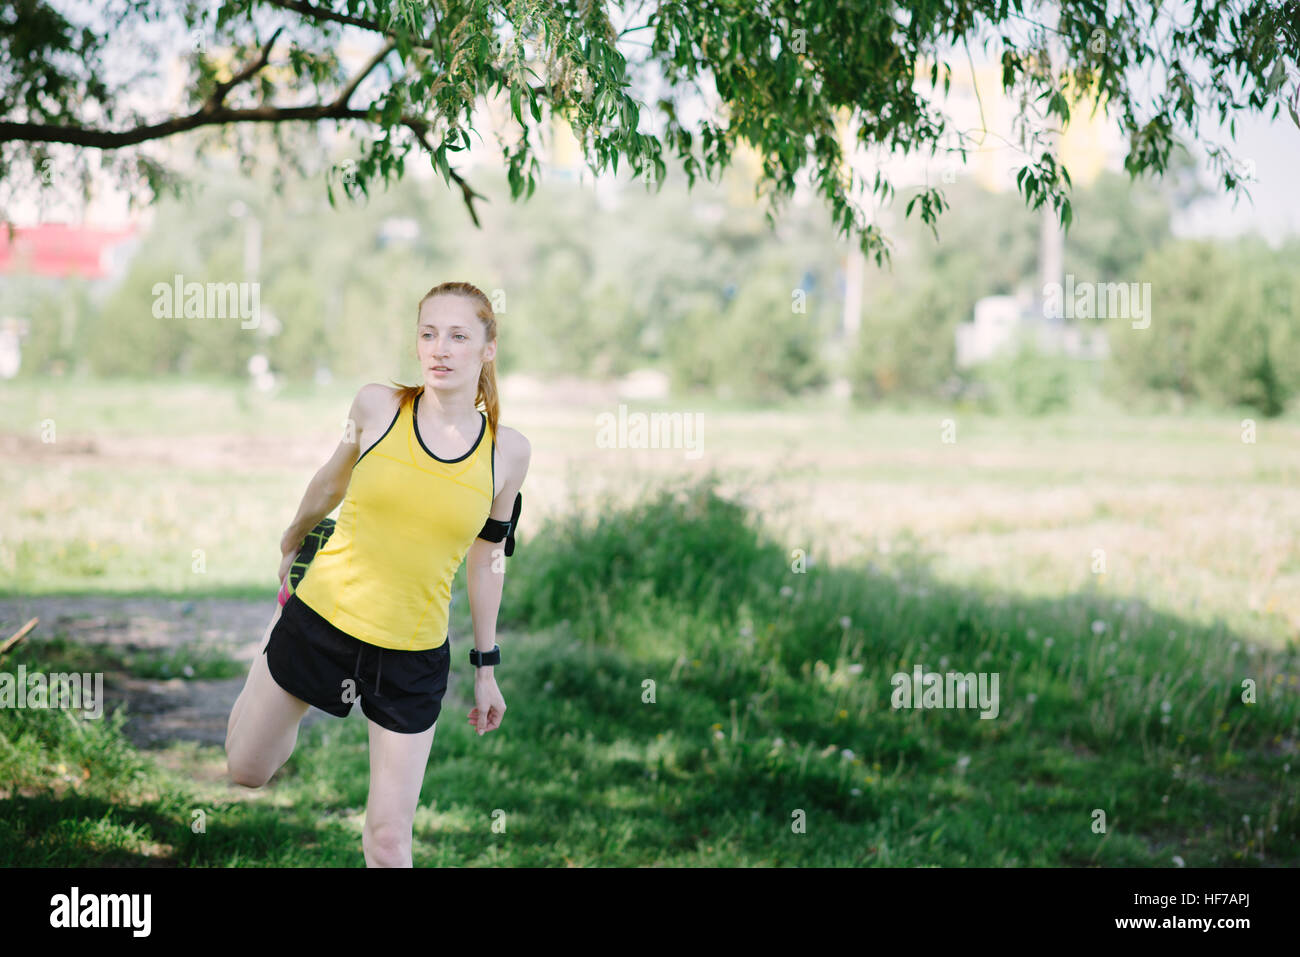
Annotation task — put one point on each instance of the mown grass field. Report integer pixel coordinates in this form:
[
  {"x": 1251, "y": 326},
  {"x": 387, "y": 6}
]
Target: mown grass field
[{"x": 1122, "y": 576}]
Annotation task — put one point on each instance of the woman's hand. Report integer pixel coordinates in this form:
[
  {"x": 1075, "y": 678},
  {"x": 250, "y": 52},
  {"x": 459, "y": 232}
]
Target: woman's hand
[{"x": 491, "y": 707}]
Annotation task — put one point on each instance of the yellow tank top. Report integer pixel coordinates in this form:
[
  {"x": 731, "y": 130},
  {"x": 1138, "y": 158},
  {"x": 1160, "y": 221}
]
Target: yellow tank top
[{"x": 404, "y": 526}]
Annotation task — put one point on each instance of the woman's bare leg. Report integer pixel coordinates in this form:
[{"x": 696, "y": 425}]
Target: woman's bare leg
[
  {"x": 263, "y": 726},
  {"x": 243, "y": 696},
  {"x": 397, "y": 764}
]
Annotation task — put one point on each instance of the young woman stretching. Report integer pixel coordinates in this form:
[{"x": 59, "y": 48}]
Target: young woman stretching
[{"x": 426, "y": 481}]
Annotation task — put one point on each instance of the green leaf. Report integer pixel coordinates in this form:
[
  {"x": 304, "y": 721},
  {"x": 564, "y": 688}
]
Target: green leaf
[{"x": 1277, "y": 76}]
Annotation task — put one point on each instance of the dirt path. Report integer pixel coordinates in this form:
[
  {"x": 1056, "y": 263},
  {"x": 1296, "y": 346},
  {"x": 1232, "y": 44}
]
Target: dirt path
[{"x": 160, "y": 712}]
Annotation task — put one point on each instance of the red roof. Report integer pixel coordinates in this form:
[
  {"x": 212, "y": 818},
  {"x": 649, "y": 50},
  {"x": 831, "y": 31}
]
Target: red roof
[{"x": 59, "y": 249}]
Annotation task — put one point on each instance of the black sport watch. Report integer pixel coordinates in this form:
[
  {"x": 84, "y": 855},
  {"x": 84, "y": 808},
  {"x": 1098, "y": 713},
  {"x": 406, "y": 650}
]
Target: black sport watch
[{"x": 479, "y": 658}]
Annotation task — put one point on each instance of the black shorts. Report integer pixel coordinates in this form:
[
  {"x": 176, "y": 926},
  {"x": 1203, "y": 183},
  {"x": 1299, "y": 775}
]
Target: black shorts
[{"x": 329, "y": 669}]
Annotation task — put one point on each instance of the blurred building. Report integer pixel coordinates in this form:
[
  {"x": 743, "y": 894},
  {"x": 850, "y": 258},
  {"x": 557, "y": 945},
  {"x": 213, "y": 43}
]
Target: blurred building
[
  {"x": 64, "y": 250},
  {"x": 1002, "y": 323},
  {"x": 54, "y": 253}
]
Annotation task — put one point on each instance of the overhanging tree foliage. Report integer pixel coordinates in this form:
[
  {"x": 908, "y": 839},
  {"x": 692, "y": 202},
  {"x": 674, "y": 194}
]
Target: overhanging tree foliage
[{"x": 786, "y": 75}]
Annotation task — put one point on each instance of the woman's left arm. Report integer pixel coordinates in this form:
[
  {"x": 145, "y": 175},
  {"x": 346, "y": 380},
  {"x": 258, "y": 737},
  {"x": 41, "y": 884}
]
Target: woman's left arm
[{"x": 486, "y": 561}]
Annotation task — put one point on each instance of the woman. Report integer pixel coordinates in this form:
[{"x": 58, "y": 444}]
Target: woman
[{"x": 426, "y": 481}]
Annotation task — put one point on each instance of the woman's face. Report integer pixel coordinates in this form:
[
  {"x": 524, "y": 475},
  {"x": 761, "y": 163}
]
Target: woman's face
[{"x": 451, "y": 335}]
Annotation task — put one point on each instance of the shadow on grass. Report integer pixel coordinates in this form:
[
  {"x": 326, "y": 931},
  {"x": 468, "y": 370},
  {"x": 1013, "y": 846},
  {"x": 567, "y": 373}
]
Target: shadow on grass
[{"x": 44, "y": 830}]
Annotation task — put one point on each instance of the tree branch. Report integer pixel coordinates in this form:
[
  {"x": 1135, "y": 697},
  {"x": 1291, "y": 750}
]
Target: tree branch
[
  {"x": 319, "y": 13},
  {"x": 218, "y": 96},
  {"x": 107, "y": 140},
  {"x": 337, "y": 110},
  {"x": 420, "y": 129},
  {"x": 342, "y": 100}
]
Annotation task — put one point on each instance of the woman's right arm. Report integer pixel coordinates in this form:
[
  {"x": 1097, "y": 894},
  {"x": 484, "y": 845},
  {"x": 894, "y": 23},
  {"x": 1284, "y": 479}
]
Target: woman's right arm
[{"x": 330, "y": 483}]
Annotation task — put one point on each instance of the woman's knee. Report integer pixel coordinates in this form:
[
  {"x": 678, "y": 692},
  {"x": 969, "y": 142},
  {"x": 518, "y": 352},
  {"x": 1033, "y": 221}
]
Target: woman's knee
[
  {"x": 247, "y": 775},
  {"x": 388, "y": 843},
  {"x": 251, "y": 757},
  {"x": 242, "y": 770},
  {"x": 247, "y": 767}
]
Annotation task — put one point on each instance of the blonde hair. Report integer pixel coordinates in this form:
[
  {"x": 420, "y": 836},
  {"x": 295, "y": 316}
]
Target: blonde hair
[{"x": 486, "y": 397}]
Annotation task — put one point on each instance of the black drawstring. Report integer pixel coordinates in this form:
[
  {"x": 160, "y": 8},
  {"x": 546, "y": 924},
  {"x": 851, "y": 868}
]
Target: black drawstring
[{"x": 356, "y": 672}]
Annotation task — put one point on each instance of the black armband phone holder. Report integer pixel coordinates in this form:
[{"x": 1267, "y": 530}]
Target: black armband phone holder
[{"x": 495, "y": 530}]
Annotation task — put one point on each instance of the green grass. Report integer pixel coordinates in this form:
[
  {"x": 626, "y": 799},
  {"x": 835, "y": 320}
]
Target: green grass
[
  {"x": 198, "y": 661},
  {"x": 770, "y": 707}
]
